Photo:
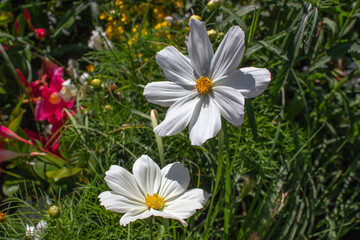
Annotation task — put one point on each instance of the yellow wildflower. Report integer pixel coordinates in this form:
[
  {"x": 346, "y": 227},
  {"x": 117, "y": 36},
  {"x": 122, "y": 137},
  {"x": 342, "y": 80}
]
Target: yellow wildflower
[
  {"x": 90, "y": 68},
  {"x": 103, "y": 16}
]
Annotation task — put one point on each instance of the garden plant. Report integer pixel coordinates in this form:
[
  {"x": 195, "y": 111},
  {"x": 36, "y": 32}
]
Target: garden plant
[{"x": 169, "y": 119}]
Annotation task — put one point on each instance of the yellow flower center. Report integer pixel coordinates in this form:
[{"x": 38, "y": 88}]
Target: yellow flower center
[
  {"x": 203, "y": 85},
  {"x": 54, "y": 98},
  {"x": 154, "y": 201}
]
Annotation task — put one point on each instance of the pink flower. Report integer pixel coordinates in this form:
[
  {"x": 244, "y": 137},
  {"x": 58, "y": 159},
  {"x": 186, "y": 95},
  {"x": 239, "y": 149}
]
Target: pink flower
[
  {"x": 23, "y": 79},
  {"x": 17, "y": 27},
  {"x": 7, "y": 155},
  {"x": 7, "y": 133},
  {"x": 50, "y": 145},
  {"x": 52, "y": 102},
  {"x": 27, "y": 15},
  {"x": 40, "y": 33}
]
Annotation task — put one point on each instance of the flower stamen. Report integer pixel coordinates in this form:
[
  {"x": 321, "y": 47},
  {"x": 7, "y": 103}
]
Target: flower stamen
[
  {"x": 203, "y": 85},
  {"x": 155, "y": 202},
  {"x": 54, "y": 98}
]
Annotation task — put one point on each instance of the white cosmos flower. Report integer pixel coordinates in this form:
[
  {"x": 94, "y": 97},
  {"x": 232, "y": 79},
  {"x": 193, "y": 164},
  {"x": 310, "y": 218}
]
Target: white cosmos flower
[
  {"x": 150, "y": 191},
  {"x": 99, "y": 41},
  {"x": 33, "y": 232},
  {"x": 205, "y": 86}
]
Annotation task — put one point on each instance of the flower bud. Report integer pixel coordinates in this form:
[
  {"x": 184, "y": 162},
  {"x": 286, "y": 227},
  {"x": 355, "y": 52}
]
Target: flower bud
[
  {"x": 17, "y": 27},
  {"x": 213, "y": 4},
  {"x": 221, "y": 34},
  {"x": 108, "y": 107},
  {"x": 212, "y": 34},
  {"x": 54, "y": 211},
  {"x": 27, "y": 15},
  {"x": 2, "y": 217},
  {"x": 195, "y": 17},
  {"x": 96, "y": 83},
  {"x": 40, "y": 33}
]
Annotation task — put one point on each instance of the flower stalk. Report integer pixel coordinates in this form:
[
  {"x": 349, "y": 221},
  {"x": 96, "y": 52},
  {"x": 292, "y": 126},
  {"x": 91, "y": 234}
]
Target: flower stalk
[
  {"x": 217, "y": 180},
  {"x": 159, "y": 142}
]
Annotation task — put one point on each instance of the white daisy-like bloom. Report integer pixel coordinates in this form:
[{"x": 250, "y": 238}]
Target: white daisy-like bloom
[
  {"x": 150, "y": 191},
  {"x": 68, "y": 90},
  {"x": 33, "y": 232},
  {"x": 99, "y": 41},
  {"x": 84, "y": 77},
  {"x": 205, "y": 86}
]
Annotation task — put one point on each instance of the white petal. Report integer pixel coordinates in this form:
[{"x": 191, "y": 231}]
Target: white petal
[
  {"x": 164, "y": 93},
  {"x": 118, "y": 203},
  {"x": 230, "y": 103},
  {"x": 123, "y": 183},
  {"x": 147, "y": 174},
  {"x": 229, "y": 54},
  {"x": 134, "y": 215},
  {"x": 250, "y": 81},
  {"x": 178, "y": 116},
  {"x": 41, "y": 225},
  {"x": 169, "y": 216},
  {"x": 206, "y": 121},
  {"x": 176, "y": 67},
  {"x": 200, "y": 48},
  {"x": 67, "y": 83},
  {"x": 187, "y": 204},
  {"x": 176, "y": 179}
]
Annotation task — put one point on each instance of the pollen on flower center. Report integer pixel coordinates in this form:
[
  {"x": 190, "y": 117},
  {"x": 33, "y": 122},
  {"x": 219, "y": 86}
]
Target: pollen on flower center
[
  {"x": 154, "y": 201},
  {"x": 203, "y": 85},
  {"x": 54, "y": 98}
]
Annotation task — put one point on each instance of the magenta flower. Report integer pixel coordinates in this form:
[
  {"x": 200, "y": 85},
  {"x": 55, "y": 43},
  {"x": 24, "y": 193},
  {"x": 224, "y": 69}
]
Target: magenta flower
[
  {"x": 50, "y": 144},
  {"x": 52, "y": 104},
  {"x": 40, "y": 33},
  {"x": 7, "y": 133}
]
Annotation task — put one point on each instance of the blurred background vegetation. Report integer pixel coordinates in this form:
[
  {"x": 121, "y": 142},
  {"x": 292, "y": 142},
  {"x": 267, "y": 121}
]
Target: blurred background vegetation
[{"x": 294, "y": 162}]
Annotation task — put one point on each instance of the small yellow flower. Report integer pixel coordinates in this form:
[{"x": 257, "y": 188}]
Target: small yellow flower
[
  {"x": 179, "y": 4},
  {"x": 124, "y": 18},
  {"x": 120, "y": 29},
  {"x": 119, "y": 3},
  {"x": 2, "y": 217},
  {"x": 103, "y": 16},
  {"x": 90, "y": 68}
]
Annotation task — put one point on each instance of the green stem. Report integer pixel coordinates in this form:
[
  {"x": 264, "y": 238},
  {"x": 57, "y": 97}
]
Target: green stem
[
  {"x": 12, "y": 68},
  {"x": 217, "y": 181},
  {"x": 166, "y": 226},
  {"x": 227, "y": 182},
  {"x": 128, "y": 237},
  {"x": 159, "y": 142},
  {"x": 151, "y": 227}
]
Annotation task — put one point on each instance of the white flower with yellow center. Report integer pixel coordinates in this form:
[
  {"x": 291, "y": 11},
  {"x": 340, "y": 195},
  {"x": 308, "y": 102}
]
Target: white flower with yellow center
[
  {"x": 150, "y": 191},
  {"x": 205, "y": 86}
]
